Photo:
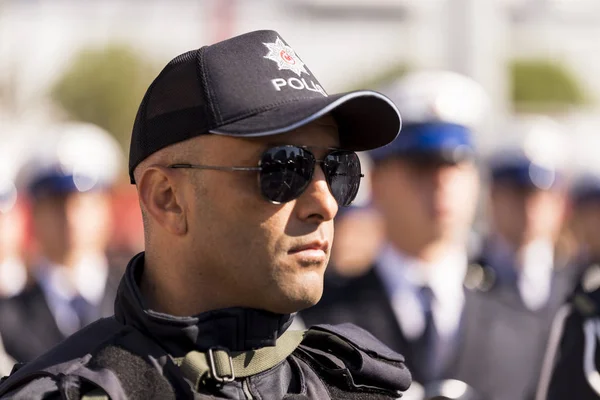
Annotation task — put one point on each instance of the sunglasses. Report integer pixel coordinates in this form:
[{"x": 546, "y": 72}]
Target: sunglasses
[{"x": 286, "y": 171}]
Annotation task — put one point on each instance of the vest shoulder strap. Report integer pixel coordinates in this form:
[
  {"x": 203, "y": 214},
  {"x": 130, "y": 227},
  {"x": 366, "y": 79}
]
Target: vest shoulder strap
[{"x": 223, "y": 366}]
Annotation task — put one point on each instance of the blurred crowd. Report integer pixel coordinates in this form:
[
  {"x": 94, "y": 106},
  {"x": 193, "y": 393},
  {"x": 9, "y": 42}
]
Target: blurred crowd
[
  {"x": 458, "y": 260},
  {"x": 65, "y": 237},
  {"x": 461, "y": 260}
]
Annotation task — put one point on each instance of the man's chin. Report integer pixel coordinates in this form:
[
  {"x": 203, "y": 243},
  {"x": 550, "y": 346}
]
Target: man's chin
[
  {"x": 296, "y": 302},
  {"x": 299, "y": 305}
]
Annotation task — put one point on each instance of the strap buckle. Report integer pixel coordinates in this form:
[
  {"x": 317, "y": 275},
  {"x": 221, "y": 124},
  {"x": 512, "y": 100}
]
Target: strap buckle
[{"x": 213, "y": 366}]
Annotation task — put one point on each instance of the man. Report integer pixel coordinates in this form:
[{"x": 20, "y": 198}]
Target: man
[
  {"x": 527, "y": 285},
  {"x": 425, "y": 187},
  {"x": 241, "y": 161},
  {"x": 527, "y": 208},
  {"x": 583, "y": 220},
  {"x": 73, "y": 283},
  {"x": 571, "y": 361}
]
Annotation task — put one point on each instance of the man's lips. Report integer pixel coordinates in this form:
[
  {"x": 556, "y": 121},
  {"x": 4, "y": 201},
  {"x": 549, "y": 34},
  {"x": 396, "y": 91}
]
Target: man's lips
[{"x": 314, "y": 246}]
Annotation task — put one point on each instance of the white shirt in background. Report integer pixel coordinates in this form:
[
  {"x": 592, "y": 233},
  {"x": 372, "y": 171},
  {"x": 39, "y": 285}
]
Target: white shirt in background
[
  {"x": 534, "y": 269},
  {"x": 60, "y": 285},
  {"x": 403, "y": 276},
  {"x": 13, "y": 277}
]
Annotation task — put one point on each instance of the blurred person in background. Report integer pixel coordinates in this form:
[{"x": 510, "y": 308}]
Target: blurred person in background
[
  {"x": 13, "y": 272},
  {"x": 584, "y": 222},
  {"x": 572, "y": 359},
  {"x": 358, "y": 238},
  {"x": 526, "y": 283},
  {"x": 359, "y": 232},
  {"x": 527, "y": 210},
  {"x": 425, "y": 188},
  {"x": 67, "y": 181}
]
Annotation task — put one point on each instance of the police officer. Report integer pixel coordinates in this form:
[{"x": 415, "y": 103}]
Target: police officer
[
  {"x": 67, "y": 182},
  {"x": 519, "y": 259},
  {"x": 425, "y": 186},
  {"x": 527, "y": 208},
  {"x": 584, "y": 200},
  {"x": 241, "y": 161},
  {"x": 358, "y": 232},
  {"x": 572, "y": 360}
]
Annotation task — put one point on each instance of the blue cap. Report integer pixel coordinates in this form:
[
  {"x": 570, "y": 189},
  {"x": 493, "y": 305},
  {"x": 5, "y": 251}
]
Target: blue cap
[
  {"x": 55, "y": 182},
  {"x": 444, "y": 141},
  {"x": 73, "y": 157},
  {"x": 516, "y": 168},
  {"x": 586, "y": 188}
]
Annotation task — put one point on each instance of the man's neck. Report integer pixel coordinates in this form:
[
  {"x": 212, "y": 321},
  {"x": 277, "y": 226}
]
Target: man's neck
[{"x": 166, "y": 291}]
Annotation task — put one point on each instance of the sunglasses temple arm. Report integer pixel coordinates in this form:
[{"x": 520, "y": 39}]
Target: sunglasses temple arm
[{"x": 215, "y": 168}]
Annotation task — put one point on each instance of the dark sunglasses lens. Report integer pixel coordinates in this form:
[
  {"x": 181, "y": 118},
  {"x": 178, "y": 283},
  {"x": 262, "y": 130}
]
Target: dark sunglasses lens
[
  {"x": 343, "y": 173},
  {"x": 285, "y": 173}
]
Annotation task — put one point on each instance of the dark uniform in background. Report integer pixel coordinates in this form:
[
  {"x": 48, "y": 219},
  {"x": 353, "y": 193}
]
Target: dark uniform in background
[
  {"x": 527, "y": 277},
  {"x": 250, "y": 85},
  {"x": 73, "y": 284},
  {"x": 572, "y": 359}
]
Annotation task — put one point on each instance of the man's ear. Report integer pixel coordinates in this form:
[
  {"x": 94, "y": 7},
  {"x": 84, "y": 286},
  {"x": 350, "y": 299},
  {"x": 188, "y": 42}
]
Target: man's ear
[{"x": 164, "y": 203}]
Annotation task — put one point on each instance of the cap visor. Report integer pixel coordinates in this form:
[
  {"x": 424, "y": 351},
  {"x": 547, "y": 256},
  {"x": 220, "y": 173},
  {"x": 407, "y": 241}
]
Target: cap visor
[{"x": 366, "y": 119}]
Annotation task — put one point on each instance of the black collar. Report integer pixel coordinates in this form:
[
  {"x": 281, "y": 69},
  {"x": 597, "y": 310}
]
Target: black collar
[{"x": 237, "y": 329}]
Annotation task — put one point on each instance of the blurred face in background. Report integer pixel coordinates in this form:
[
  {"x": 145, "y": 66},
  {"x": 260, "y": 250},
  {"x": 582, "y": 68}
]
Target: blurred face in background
[
  {"x": 67, "y": 225},
  {"x": 585, "y": 223},
  {"x": 359, "y": 235},
  {"x": 522, "y": 214},
  {"x": 425, "y": 199}
]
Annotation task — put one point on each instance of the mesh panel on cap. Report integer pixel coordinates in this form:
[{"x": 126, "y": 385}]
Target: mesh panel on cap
[
  {"x": 177, "y": 89},
  {"x": 173, "y": 110}
]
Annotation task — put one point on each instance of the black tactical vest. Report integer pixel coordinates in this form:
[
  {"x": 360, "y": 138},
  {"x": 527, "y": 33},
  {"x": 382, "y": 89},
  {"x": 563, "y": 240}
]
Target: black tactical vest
[{"x": 135, "y": 355}]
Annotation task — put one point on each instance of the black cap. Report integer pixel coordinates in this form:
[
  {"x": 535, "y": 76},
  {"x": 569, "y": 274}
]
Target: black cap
[{"x": 251, "y": 85}]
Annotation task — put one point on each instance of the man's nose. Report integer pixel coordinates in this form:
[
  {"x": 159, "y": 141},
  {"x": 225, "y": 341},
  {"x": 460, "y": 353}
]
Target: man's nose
[{"x": 317, "y": 203}]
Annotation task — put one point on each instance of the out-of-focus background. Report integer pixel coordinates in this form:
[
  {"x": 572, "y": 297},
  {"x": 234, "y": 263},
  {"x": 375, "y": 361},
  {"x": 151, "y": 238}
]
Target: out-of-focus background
[{"x": 89, "y": 62}]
